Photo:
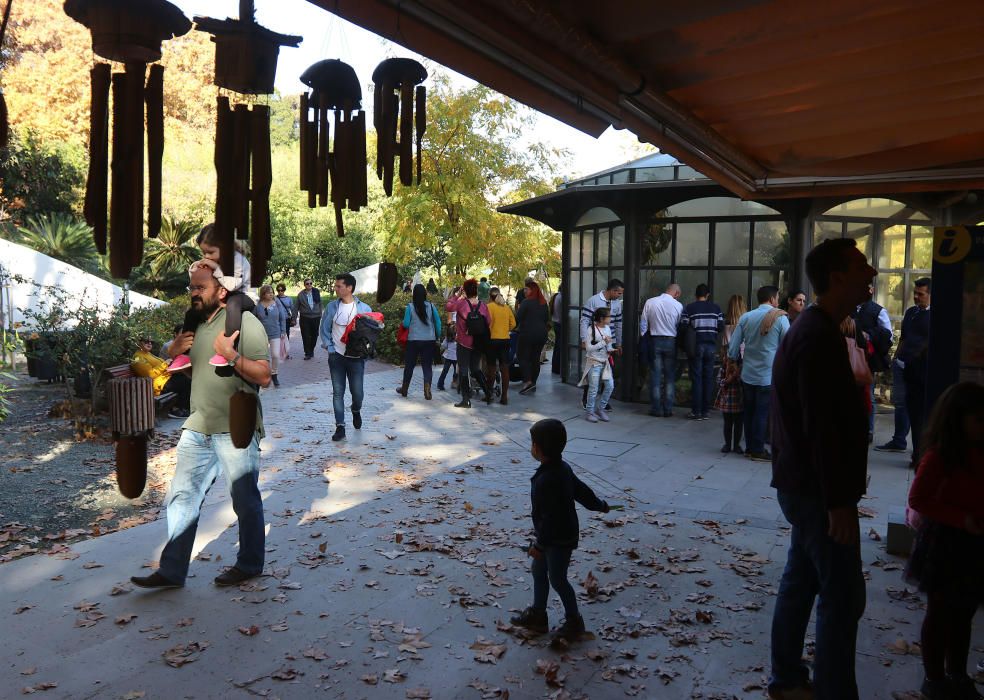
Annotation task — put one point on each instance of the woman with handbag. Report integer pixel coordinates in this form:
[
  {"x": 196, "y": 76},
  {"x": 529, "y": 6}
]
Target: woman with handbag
[
  {"x": 288, "y": 306},
  {"x": 271, "y": 314},
  {"x": 423, "y": 327}
]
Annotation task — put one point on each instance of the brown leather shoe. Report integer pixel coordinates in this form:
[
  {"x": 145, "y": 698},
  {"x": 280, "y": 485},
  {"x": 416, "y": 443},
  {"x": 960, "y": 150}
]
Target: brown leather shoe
[{"x": 233, "y": 576}]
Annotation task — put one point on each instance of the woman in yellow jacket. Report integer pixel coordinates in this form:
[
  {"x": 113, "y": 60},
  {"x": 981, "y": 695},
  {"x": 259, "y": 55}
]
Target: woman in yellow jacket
[{"x": 503, "y": 321}]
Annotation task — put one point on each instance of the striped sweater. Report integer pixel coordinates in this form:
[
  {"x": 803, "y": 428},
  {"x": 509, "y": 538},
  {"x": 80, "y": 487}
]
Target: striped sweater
[
  {"x": 596, "y": 302},
  {"x": 706, "y": 318}
]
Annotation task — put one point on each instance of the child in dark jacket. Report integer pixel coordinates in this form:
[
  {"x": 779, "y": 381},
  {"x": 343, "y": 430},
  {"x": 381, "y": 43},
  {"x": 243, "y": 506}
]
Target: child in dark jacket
[{"x": 554, "y": 489}]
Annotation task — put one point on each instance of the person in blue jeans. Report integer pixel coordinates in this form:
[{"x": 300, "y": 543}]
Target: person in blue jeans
[
  {"x": 205, "y": 448},
  {"x": 660, "y": 319},
  {"x": 707, "y": 320},
  {"x": 819, "y": 471},
  {"x": 761, "y": 330},
  {"x": 424, "y": 325},
  {"x": 554, "y": 489},
  {"x": 339, "y": 313}
]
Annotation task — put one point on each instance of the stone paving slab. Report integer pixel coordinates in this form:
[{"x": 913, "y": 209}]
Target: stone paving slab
[{"x": 391, "y": 554}]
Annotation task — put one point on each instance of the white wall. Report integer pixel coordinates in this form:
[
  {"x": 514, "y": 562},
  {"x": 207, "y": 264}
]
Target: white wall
[{"x": 40, "y": 269}]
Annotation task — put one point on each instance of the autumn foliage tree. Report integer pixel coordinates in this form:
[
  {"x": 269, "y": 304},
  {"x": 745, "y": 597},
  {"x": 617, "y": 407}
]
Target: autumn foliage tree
[{"x": 476, "y": 156}]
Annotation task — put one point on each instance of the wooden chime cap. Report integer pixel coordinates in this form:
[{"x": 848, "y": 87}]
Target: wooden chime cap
[
  {"x": 131, "y": 464},
  {"x": 127, "y": 31},
  {"x": 245, "y": 53},
  {"x": 242, "y": 418},
  {"x": 336, "y": 83},
  {"x": 399, "y": 70}
]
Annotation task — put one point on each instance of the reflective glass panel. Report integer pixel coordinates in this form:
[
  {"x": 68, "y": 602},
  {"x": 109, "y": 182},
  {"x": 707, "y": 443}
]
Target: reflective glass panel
[
  {"x": 890, "y": 292},
  {"x": 692, "y": 243},
  {"x": 760, "y": 278},
  {"x": 656, "y": 243},
  {"x": 685, "y": 172},
  {"x": 573, "y": 364},
  {"x": 587, "y": 248},
  {"x": 688, "y": 281},
  {"x": 892, "y": 255},
  {"x": 653, "y": 174},
  {"x": 574, "y": 245},
  {"x": 875, "y": 208},
  {"x": 863, "y": 234},
  {"x": 621, "y": 177},
  {"x": 603, "y": 236},
  {"x": 732, "y": 240},
  {"x": 651, "y": 283},
  {"x": 825, "y": 230},
  {"x": 617, "y": 274},
  {"x": 771, "y": 245},
  {"x": 598, "y": 215},
  {"x": 573, "y": 329},
  {"x": 719, "y": 206},
  {"x": 600, "y": 280},
  {"x": 574, "y": 288},
  {"x": 618, "y": 245},
  {"x": 726, "y": 283},
  {"x": 921, "y": 255}
]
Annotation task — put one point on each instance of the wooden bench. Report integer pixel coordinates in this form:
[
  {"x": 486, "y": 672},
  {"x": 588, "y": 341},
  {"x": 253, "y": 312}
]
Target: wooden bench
[{"x": 161, "y": 403}]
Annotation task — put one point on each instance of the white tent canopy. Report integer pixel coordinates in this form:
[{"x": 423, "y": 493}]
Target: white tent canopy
[{"x": 40, "y": 272}]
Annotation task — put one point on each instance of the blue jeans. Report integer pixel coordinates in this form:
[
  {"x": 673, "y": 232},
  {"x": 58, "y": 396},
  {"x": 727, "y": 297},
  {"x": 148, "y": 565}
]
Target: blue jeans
[
  {"x": 817, "y": 567},
  {"x": 551, "y": 570},
  {"x": 424, "y": 350},
  {"x": 898, "y": 402},
  {"x": 756, "y": 399},
  {"x": 448, "y": 364},
  {"x": 353, "y": 370},
  {"x": 662, "y": 374},
  {"x": 200, "y": 457},
  {"x": 594, "y": 381},
  {"x": 702, "y": 378}
]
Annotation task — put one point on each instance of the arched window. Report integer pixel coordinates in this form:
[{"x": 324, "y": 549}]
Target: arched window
[
  {"x": 705, "y": 207},
  {"x": 897, "y": 239},
  {"x": 598, "y": 215}
]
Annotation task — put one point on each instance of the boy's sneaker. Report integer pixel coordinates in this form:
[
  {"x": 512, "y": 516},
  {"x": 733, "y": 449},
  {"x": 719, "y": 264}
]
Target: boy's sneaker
[
  {"x": 570, "y": 631},
  {"x": 218, "y": 361},
  {"x": 891, "y": 446},
  {"x": 591, "y": 417},
  {"x": 180, "y": 362},
  {"x": 693, "y": 416},
  {"x": 533, "y": 620}
]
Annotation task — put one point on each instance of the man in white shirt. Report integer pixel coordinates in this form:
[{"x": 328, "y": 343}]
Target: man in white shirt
[{"x": 660, "y": 318}]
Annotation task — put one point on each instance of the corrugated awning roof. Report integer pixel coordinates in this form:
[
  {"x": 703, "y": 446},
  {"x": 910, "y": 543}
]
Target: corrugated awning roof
[{"x": 782, "y": 97}]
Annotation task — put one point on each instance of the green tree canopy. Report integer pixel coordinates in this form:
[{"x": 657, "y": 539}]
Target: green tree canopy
[{"x": 476, "y": 157}]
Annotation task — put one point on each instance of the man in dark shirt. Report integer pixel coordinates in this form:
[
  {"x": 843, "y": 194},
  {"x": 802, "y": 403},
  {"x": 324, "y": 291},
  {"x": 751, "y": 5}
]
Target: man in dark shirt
[
  {"x": 911, "y": 356},
  {"x": 819, "y": 466},
  {"x": 706, "y": 319}
]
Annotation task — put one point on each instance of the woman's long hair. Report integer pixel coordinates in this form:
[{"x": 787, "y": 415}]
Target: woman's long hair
[
  {"x": 420, "y": 303},
  {"x": 535, "y": 293},
  {"x": 736, "y": 307},
  {"x": 945, "y": 431}
]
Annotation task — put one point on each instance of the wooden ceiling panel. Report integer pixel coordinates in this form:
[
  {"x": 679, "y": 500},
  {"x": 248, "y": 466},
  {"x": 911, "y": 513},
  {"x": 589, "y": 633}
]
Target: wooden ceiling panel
[{"x": 736, "y": 63}]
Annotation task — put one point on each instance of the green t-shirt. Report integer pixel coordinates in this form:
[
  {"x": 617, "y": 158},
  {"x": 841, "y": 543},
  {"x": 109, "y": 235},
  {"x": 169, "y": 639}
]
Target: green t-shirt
[{"x": 209, "y": 392}]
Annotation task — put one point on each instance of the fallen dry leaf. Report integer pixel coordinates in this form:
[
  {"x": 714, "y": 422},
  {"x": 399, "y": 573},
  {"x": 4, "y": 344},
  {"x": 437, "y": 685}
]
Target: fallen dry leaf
[{"x": 250, "y": 631}]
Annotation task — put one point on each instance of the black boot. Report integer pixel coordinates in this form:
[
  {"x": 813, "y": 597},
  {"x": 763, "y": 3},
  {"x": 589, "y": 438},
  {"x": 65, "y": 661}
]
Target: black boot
[
  {"x": 533, "y": 620},
  {"x": 339, "y": 433}
]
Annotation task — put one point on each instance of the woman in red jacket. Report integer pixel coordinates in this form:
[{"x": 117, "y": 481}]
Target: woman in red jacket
[{"x": 947, "y": 559}]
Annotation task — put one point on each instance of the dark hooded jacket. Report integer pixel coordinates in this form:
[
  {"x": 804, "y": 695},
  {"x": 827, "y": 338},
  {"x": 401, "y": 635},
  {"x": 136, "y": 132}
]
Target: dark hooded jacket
[{"x": 553, "y": 490}]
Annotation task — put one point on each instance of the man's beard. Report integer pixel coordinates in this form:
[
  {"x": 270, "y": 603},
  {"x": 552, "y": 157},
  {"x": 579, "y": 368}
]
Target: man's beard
[{"x": 205, "y": 310}]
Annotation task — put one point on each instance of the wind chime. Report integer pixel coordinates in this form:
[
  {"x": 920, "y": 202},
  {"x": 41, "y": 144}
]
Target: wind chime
[
  {"x": 398, "y": 89},
  {"x": 245, "y": 63},
  {"x": 334, "y": 88},
  {"x": 131, "y": 35},
  {"x": 4, "y": 122}
]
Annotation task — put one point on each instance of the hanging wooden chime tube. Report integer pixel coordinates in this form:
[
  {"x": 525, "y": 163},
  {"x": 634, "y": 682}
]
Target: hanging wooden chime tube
[
  {"x": 97, "y": 181},
  {"x": 241, "y": 165},
  {"x": 135, "y": 75},
  {"x": 224, "y": 204},
  {"x": 421, "y": 117},
  {"x": 119, "y": 249},
  {"x": 261, "y": 238},
  {"x": 155, "y": 148}
]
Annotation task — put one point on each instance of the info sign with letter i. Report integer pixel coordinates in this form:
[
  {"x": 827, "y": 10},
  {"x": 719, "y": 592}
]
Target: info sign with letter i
[{"x": 956, "y": 345}]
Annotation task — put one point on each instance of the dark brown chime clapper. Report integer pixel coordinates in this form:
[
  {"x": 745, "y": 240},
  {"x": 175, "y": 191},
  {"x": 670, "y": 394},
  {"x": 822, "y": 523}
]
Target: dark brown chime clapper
[
  {"x": 334, "y": 88},
  {"x": 246, "y": 63},
  {"x": 131, "y": 34},
  {"x": 398, "y": 92}
]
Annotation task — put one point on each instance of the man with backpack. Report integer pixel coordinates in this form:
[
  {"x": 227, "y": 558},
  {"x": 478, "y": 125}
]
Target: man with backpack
[
  {"x": 346, "y": 367},
  {"x": 873, "y": 319},
  {"x": 472, "y": 322}
]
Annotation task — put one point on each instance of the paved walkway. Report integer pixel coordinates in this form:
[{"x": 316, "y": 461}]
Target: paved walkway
[{"x": 394, "y": 563}]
